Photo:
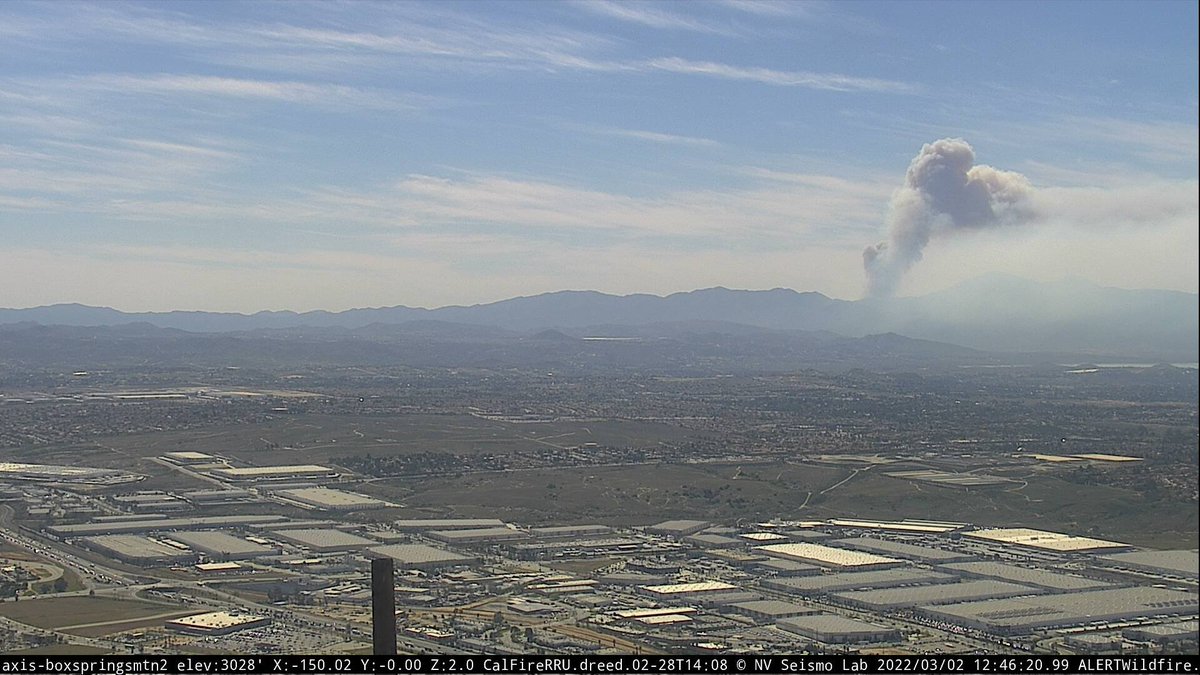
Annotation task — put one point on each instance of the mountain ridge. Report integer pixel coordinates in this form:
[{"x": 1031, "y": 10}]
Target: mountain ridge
[{"x": 993, "y": 313}]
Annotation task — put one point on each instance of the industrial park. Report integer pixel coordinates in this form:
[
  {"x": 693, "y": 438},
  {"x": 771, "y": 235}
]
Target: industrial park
[
  {"x": 287, "y": 574},
  {"x": 675, "y": 496},
  {"x": 600, "y": 336}
]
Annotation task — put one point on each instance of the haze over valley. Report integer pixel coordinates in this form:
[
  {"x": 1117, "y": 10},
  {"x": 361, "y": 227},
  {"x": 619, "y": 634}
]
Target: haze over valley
[{"x": 688, "y": 331}]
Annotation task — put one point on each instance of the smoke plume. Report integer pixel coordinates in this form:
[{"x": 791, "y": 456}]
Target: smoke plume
[{"x": 944, "y": 192}]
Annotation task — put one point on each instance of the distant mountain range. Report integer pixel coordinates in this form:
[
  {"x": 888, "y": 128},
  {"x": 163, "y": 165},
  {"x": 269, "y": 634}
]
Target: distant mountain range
[{"x": 994, "y": 313}]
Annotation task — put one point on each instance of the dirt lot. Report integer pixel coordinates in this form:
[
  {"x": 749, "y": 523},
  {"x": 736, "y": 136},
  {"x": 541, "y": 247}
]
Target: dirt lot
[{"x": 77, "y": 610}]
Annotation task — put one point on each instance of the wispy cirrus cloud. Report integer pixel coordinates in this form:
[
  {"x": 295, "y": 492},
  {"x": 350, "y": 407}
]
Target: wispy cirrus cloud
[
  {"x": 781, "y": 78},
  {"x": 644, "y": 135},
  {"x": 772, "y": 8},
  {"x": 310, "y": 93},
  {"x": 447, "y": 39},
  {"x": 646, "y": 14}
]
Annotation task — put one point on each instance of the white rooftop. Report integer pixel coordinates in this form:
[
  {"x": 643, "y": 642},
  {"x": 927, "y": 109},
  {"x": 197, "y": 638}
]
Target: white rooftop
[
  {"x": 826, "y": 555},
  {"x": 216, "y": 620},
  {"x": 1051, "y": 541}
]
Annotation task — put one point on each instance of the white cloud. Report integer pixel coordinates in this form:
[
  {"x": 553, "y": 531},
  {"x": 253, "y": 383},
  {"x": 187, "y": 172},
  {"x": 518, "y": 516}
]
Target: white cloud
[
  {"x": 320, "y": 94},
  {"x": 644, "y": 135},
  {"x": 644, "y": 14},
  {"x": 781, "y": 78}
]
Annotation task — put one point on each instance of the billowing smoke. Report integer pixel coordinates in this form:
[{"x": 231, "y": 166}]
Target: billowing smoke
[{"x": 944, "y": 192}]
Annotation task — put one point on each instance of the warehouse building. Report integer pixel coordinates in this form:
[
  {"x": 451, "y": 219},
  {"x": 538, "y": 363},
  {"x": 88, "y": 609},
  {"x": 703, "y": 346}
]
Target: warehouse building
[
  {"x": 706, "y": 540},
  {"x": 221, "y": 546},
  {"x": 906, "y": 525},
  {"x": 150, "y": 523},
  {"x": 657, "y": 616},
  {"x": 678, "y": 528},
  {"x": 189, "y": 457},
  {"x": 325, "y": 540},
  {"x": 53, "y": 473},
  {"x": 1094, "y": 643},
  {"x": 782, "y": 567},
  {"x": 587, "y": 548},
  {"x": 881, "y": 599},
  {"x": 848, "y": 581},
  {"x": 1166, "y": 633},
  {"x": 770, "y": 611},
  {"x": 829, "y": 556},
  {"x": 837, "y": 629},
  {"x": 1053, "y": 581},
  {"x": 331, "y": 500},
  {"x": 735, "y": 557},
  {"x": 764, "y": 537},
  {"x": 422, "y": 524},
  {"x": 899, "y": 549},
  {"x": 218, "y": 623},
  {"x": 154, "y": 501},
  {"x": 301, "y": 525},
  {"x": 219, "y": 567},
  {"x": 218, "y": 496},
  {"x": 1024, "y": 537},
  {"x": 140, "y": 550},
  {"x": 1018, "y": 616},
  {"x": 632, "y": 579},
  {"x": 1184, "y": 564},
  {"x": 688, "y": 592},
  {"x": 488, "y": 535},
  {"x": 570, "y": 531},
  {"x": 419, "y": 556},
  {"x": 807, "y": 535},
  {"x": 275, "y": 473}
]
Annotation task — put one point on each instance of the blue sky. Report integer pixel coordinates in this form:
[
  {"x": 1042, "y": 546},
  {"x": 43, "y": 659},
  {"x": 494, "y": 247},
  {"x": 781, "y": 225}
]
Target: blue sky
[{"x": 230, "y": 156}]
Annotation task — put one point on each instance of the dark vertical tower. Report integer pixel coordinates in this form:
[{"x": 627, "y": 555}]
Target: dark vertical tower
[{"x": 383, "y": 606}]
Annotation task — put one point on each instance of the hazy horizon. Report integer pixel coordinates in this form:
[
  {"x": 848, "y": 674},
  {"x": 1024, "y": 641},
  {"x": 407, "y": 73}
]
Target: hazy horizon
[
  {"x": 1061, "y": 280},
  {"x": 250, "y": 156}
]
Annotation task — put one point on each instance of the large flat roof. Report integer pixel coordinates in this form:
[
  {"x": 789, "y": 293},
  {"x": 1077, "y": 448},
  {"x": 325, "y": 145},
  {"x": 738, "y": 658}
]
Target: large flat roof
[
  {"x": 215, "y": 620},
  {"x": 826, "y": 555},
  {"x": 903, "y": 550},
  {"x": 1018, "y": 615},
  {"x": 188, "y": 454},
  {"x": 842, "y": 581},
  {"x": 1024, "y": 575},
  {"x": 419, "y": 554},
  {"x": 136, "y": 547},
  {"x": 282, "y": 470},
  {"x": 55, "y": 472},
  {"x": 494, "y": 533},
  {"x": 84, "y": 529},
  {"x": 447, "y": 523},
  {"x": 679, "y": 527},
  {"x": 940, "y": 594},
  {"x": 831, "y": 625},
  {"x": 330, "y": 498},
  {"x": 325, "y": 538},
  {"x": 1183, "y": 563},
  {"x": 567, "y": 530},
  {"x": 1050, "y": 541},
  {"x": 773, "y": 608},
  {"x": 924, "y": 526},
  {"x": 696, "y": 587},
  {"x": 656, "y": 611},
  {"x": 220, "y": 543}
]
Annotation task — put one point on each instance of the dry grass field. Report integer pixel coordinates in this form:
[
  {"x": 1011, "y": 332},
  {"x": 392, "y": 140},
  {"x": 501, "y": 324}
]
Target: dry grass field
[{"x": 56, "y": 613}]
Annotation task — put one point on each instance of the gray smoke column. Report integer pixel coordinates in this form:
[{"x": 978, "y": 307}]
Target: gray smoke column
[{"x": 944, "y": 192}]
